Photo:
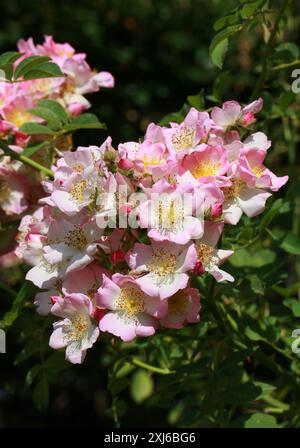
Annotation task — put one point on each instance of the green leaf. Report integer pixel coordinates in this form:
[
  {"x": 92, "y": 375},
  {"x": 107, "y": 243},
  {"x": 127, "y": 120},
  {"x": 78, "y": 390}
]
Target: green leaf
[
  {"x": 197, "y": 101},
  {"x": 141, "y": 386},
  {"x": 242, "y": 393},
  {"x": 260, "y": 420},
  {"x": 56, "y": 108},
  {"x": 256, "y": 284},
  {"x": 8, "y": 72},
  {"x": 286, "y": 52},
  {"x": 290, "y": 243},
  {"x": 28, "y": 64},
  {"x": 19, "y": 301},
  {"x": 51, "y": 118},
  {"x": 249, "y": 8},
  {"x": 293, "y": 305},
  {"x": 31, "y": 374},
  {"x": 41, "y": 394},
  {"x": 9, "y": 57},
  {"x": 32, "y": 128},
  {"x": 84, "y": 121},
  {"x": 230, "y": 19},
  {"x": 257, "y": 259},
  {"x": 219, "y": 45},
  {"x": 45, "y": 70}
]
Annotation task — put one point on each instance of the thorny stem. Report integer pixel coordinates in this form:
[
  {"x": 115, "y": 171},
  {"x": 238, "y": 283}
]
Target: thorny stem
[{"x": 268, "y": 50}]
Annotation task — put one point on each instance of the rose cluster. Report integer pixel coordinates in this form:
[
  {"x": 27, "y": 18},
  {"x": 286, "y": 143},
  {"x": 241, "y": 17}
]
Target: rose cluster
[
  {"x": 114, "y": 243},
  {"x": 19, "y": 186}
]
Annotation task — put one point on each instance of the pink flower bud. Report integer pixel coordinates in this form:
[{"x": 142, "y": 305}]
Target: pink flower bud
[
  {"x": 75, "y": 108},
  {"x": 125, "y": 164},
  {"x": 247, "y": 119},
  {"x": 54, "y": 299},
  {"x": 216, "y": 211}
]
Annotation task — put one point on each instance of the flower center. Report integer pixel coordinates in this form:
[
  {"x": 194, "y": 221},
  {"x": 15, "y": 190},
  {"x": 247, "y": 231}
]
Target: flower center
[
  {"x": 162, "y": 263},
  {"x": 205, "y": 169},
  {"x": 76, "y": 239},
  {"x": 131, "y": 301},
  {"x": 205, "y": 253},
  {"x": 78, "y": 327},
  {"x": 234, "y": 190},
  {"x": 78, "y": 189},
  {"x": 183, "y": 138},
  {"x": 18, "y": 117},
  {"x": 151, "y": 161}
]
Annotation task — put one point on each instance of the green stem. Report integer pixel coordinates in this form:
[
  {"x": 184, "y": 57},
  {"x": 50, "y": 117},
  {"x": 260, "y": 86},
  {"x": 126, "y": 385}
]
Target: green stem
[
  {"x": 268, "y": 50},
  {"x": 139, "y": 363},
  {"x": 25, "y": 160}
]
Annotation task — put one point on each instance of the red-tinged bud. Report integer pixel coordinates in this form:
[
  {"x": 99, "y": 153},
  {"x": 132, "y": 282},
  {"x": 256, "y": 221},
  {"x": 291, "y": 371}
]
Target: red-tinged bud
[
  {"x": 75, "y": 108},
  {"x": 216, "y": 211},
  {"x": 247, "y": 119},
  {"x": 125, "y": 164},
  {"x": 54, "y": 299},
  {"x": 21, "y": 138},
  {"x": 198, "y": 269},
  {"x": 98, "y": 313},
  {"x": 117, "y": 255}
]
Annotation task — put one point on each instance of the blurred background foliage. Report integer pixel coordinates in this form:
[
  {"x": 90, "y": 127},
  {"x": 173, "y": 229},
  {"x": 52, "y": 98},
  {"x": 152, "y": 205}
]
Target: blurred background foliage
[{"x": 236, "y": 367}]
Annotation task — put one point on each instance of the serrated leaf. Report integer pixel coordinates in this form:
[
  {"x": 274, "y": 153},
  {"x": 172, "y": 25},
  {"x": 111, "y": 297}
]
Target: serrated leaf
[
  {"x": 32, "y": 128},
  {"x": 141, "y": 386},
  {"x": 56, "y": 108},
  {"x": 50, "y": 117},
  {"x": 28, "y": 64},
  {"x": 9, "y": 57},
  {"x": 45, "y": 70},
  {"x": 222, "y": 22},
  {"x": 20, "y": 299},
  {"x": 31, "y": 374},
  {"x": 249, "y": 8},
  {"x": 84, "y": 121},
  {"x": 260, "y": 420},
  {"x": 257, "y": 259},
  {"x": 287, "y": 51},
  {"x": 293, "y": 305},
  {"x": 256, "y": 284},
  {"x": 219, "y": 45},
  {"x": 197, "y": 101}
]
